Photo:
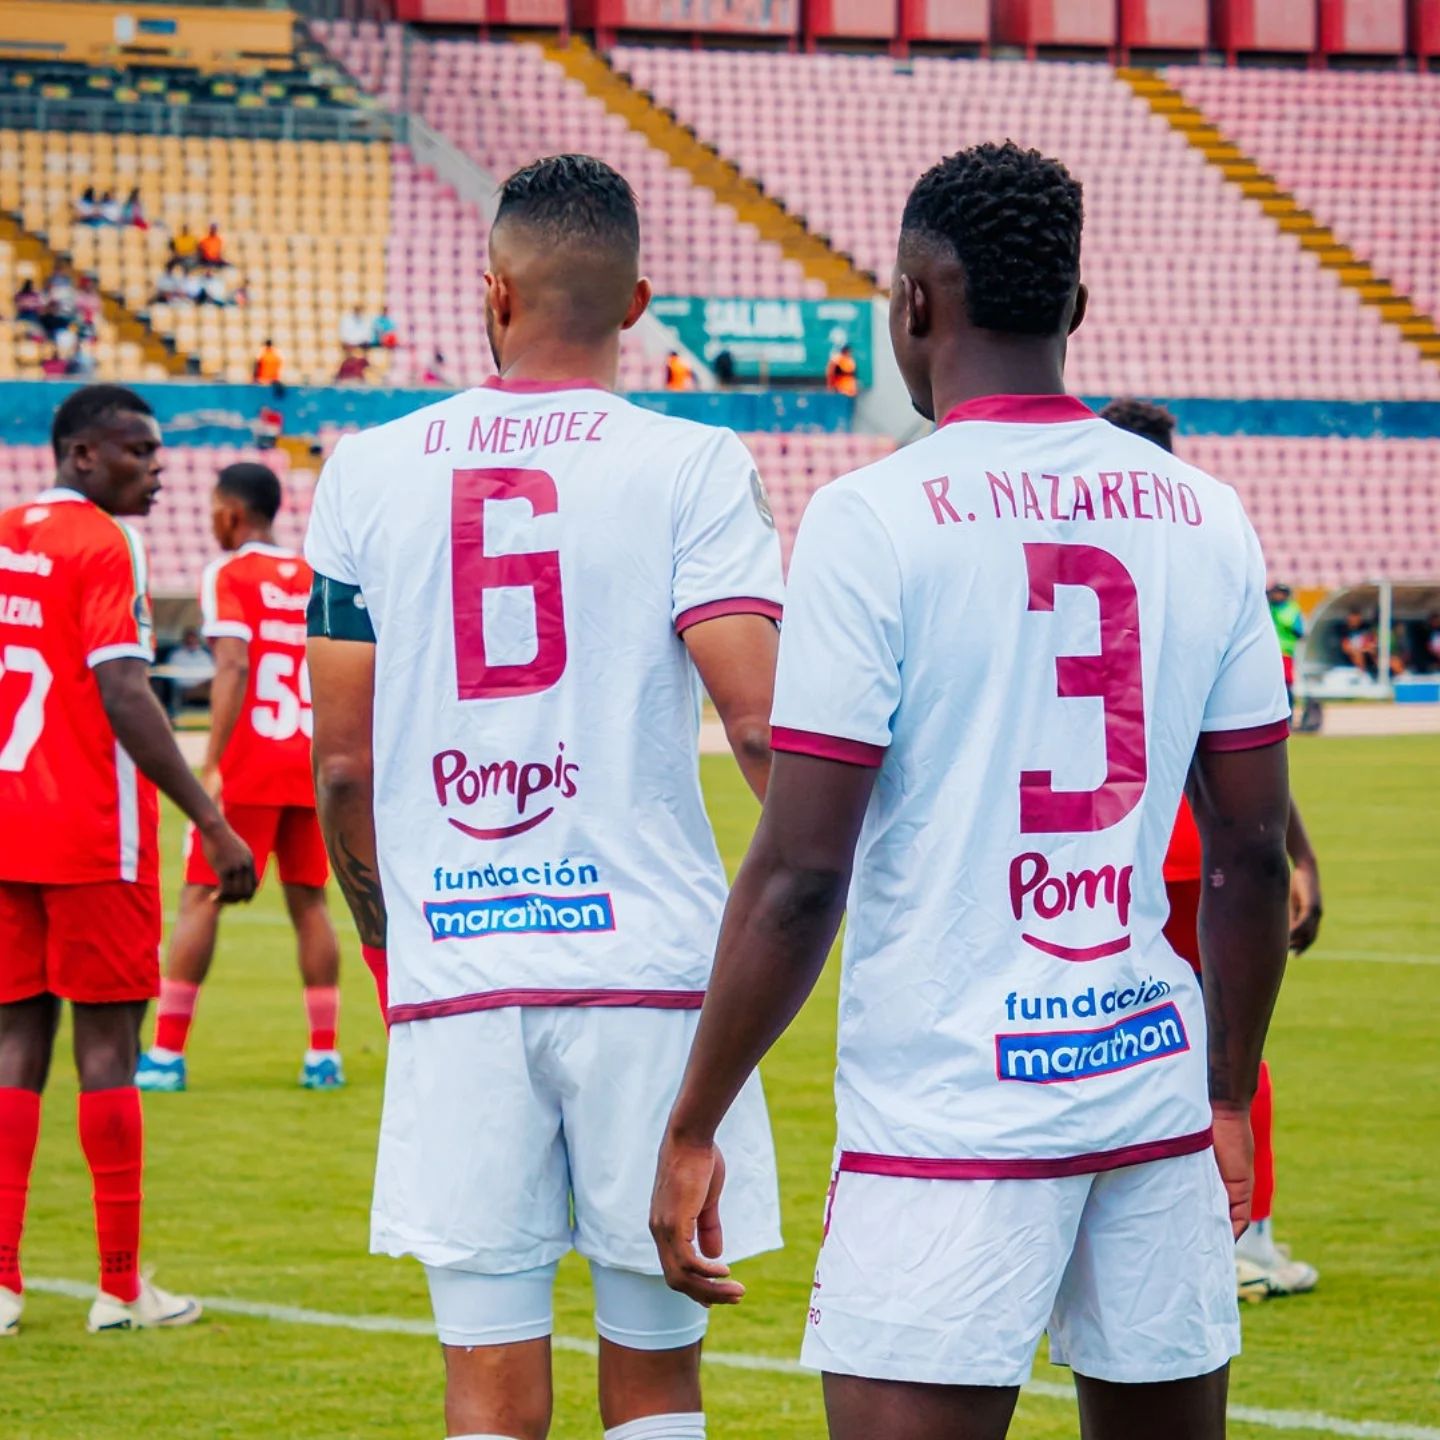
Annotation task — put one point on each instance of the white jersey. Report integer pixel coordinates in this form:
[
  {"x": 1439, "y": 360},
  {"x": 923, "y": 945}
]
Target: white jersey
[
  {"x": 529, "y": 556},
  {"x": 1025, "y": 620}
]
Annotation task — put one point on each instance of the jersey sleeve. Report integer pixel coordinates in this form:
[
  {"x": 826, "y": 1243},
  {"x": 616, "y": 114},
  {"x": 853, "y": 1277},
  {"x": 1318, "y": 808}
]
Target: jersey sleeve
[
  {"x": 1248, "y": 706},
  {"x": 727, "y": 555},
  {"x": 838, "y": 683},
  {"x": 115, "y": 601},
  {"x": 222, "y": 606},
  {"x": 327, "y": 542}
]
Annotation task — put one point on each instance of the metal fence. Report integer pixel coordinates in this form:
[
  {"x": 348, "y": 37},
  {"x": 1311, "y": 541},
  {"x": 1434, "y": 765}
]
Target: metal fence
[{"x": 25, "y": 112}]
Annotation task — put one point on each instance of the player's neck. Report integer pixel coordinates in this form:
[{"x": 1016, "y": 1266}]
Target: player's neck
[
  {"x": 553, "y": 362},
  {"x": 1004, "y": 365},
  {"x": 254, "y": 535}
]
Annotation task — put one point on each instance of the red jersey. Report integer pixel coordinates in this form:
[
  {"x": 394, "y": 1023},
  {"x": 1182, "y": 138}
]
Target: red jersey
[
  {"x": 73, "y": 594},
  {"x": 259, "y": 595},
  {"x": 1182, "y": 859}
]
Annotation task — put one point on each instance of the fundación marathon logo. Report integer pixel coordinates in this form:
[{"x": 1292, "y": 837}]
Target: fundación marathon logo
[
  {"x": 519, "y": 915},
  {"x": 1047, "y": 1057}
]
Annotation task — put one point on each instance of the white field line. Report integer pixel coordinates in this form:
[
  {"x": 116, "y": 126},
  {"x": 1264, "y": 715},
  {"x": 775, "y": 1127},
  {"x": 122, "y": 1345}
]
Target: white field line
[
  {"x": 257, "y": 917},
  {"x": 1304, "y": 1421}
]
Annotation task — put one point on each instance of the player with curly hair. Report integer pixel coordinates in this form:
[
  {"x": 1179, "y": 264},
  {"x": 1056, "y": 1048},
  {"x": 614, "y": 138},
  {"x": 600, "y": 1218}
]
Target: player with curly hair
[{"x": 1007, "y": 650}]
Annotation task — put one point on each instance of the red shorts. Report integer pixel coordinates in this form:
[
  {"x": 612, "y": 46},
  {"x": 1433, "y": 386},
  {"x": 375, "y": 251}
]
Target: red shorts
[
  {"x": 1182, "y": 929},
  {"x": 290, "y": 832},
  {"x": 94, "y": 944},
  {"x": 1288, "y": 664}
]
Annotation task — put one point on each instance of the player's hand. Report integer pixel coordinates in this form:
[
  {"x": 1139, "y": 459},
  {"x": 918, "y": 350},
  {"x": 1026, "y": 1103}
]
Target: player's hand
[
  {"x": 1235, "y": 1155},
  {"x": 1305, "y": 908},
  {"x": 684, "y": 1207},
  {"x": 232, "y": 862}
]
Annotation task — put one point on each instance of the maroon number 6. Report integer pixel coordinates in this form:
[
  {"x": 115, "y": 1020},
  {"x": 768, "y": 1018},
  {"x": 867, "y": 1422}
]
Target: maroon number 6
[
  {"x": 473, "y": 572},
  {"x": 1114, "y": 676}
]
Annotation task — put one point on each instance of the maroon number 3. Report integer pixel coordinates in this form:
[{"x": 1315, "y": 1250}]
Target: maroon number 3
[
  {"x": 473, "y": 572},
  {"x": 1114, "y": 676}
]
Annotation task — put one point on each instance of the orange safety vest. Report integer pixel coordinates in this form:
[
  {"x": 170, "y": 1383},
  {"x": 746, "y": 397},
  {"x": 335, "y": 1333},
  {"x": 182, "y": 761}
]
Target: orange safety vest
[
  {"x": 840, "y": 375},
  {"x": 267, "y": 366},
  {"x": 677, "y": 373}
]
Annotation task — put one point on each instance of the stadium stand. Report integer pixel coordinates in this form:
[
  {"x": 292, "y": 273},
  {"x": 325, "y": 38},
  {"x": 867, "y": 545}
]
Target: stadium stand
[
  {"x": 1351, "y": 147},
  {"x": 503, "y": 104},
  {"x": 178, "y": 533},
  {"x": 1194, "y": 290},
  {"x": 1329, "y": 511}
]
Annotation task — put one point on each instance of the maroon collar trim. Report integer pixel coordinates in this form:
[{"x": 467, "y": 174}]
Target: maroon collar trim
[
  {"x": 539, "y": 387},
  {"x": 1022, "y": 410}
]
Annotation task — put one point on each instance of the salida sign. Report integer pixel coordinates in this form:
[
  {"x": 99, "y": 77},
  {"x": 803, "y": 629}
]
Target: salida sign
[{"x": 771, "y": 339}]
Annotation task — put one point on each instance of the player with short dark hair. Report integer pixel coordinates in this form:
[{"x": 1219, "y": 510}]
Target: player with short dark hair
[
  {"x": 257, "y": 764},
  {"x": 1007, "y": 649},
  {"x": 521, "y": 589},
  {"x": 1263, "y": 1269},
  {"x": 83, "y": 744}
]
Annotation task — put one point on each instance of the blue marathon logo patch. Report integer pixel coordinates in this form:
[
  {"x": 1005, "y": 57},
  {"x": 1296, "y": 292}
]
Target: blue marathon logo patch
[
  {"x": 1047, "y": 1057},
  {"x": 519, "y": 915}
]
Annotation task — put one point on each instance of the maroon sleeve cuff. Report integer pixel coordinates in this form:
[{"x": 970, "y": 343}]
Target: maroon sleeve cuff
[
  {"x": 713, "y": 609},
  {"x": 1253, "y": 738},
  {"x": 826, "y": 747}
]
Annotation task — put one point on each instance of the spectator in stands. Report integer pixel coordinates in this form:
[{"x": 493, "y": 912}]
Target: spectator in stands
[
  {"x": 1358, "y": 642},
  {"x": 110, "y": 209},
  {"x": 268, "y": 427},
  {"x": 841, "y": 374},
  {"x": 29, "y": 303},
  {"x": 678, "y": 374},
  {"x": 186, "y": 673},
  {"x": 87, "y": 207},
  {"x": 383, "y": 334},
  {"x": 58, "y": 313},
  {"x": 357, "y": 330},
  {"x": 1402, "y": 654},
  {"x": 434, "y": 372},
  {"x": 133, "y": 212},
  {"x": 354, "y": 368},
  {"x": 1430, "y": 648},
  {"x": 214, "y": 286},
  {"x": 184, "y": 247},
  {"x": 88, "y": 305},
  {"x": 724, "y": 367},
  {"x": 53, "y": 365},
  {"x": 84, "y": 362},
  {"x": 269, "y": 364},
  {"x": 211, "y": 246},
  {"x": 170, "y": 287}
]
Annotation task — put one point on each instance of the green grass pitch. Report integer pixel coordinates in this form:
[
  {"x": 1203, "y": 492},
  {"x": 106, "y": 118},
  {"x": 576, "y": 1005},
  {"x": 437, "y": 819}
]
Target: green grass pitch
[{"x": 257, "y": 1191}]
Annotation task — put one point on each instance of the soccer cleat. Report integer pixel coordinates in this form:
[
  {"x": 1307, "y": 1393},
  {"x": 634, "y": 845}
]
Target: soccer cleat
[
  {"x": 11, "y": 1305},
  {"x": 1272, "y": 1274},
  {"x": 153, "y": 1308},
  {"x": 322, "y": 1072},
  {"x": 165, "y": 1076}
]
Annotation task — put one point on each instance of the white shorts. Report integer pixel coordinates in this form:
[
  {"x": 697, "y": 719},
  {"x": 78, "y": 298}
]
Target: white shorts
[
  {"x": 511, "y": 1136},
  {"x": 952, "y": 1282}
]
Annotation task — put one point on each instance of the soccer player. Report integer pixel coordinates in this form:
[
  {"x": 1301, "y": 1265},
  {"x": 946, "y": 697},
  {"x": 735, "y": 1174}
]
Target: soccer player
[
  {"x": 1263, "y": 1269},
  {"x": 79, "y": 866},
  {"x": 257, "y": 763},
  {"x": 522, "y": 588},
  {"x": 1005, "y": 648}
]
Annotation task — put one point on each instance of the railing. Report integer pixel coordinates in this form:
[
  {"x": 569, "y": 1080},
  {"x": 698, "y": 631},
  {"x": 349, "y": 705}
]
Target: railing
[{"x": 27, "y": 112}]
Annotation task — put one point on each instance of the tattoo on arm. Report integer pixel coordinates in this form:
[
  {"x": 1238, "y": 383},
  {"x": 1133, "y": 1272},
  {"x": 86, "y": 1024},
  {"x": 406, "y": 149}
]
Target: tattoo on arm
[{"x": 361, "y": 887}]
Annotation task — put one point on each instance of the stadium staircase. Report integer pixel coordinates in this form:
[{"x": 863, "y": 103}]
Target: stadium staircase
[
  {"x": 709, "y": 169},
  {"x": 1240, "y": 169},
  {"x": 27, "y": 246}
]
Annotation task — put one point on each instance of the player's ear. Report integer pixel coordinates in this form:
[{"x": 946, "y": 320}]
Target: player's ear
[
  {"x": 639, "y": 302},
  {"x": 916, "y": 306},
  {"x": 1082, "y": 303},
  {"x": 497, "y": 297}
]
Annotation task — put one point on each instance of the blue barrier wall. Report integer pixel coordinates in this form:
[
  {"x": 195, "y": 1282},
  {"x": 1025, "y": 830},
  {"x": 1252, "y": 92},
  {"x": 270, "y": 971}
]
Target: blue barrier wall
[{"x": 201, "y": 413}]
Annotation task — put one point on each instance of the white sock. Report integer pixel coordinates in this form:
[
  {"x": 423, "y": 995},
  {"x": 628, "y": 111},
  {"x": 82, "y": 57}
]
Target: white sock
[
  {"x": 314, "y": 1057},
  {"x": 164, "y": 1057},
  {"x": 689, "y": 1426},
  {"x": 1257, "y": 1242}
]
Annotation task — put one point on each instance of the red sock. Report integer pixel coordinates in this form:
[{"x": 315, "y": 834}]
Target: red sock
[
  {"x": 174, "y": 1013},
  {"x": 1262, "y": 1126},
  {"x": 112, "y": 1135},
  {"x": 379, "y": 965},
  {"x": 322, "y": 1009},
  {"x": 19, "y": 1130}
]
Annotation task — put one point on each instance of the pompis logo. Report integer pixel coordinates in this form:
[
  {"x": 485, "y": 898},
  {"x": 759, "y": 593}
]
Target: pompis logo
[{"x": 502, "y": 784}]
